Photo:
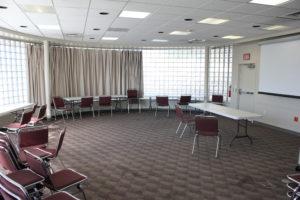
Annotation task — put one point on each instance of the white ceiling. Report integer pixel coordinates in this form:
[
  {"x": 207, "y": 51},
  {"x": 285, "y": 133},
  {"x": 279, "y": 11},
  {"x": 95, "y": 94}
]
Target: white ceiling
[{"x": 82, "y": 16}]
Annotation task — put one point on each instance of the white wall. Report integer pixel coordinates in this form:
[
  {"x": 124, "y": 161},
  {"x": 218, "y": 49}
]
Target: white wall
[{"x": 277, "y": 111}]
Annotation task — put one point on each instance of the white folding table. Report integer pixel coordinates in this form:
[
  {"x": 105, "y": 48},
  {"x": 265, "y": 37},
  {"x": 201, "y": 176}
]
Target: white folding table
[
  {"x": 7, "y": 109},
  {"x": 232, "y": 113}
]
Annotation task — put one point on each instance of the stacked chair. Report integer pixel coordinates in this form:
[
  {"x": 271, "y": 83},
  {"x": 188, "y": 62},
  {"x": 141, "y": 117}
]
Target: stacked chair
[
  {"x": 26, "y": 178},
  {"x": 293, "y": 187}
]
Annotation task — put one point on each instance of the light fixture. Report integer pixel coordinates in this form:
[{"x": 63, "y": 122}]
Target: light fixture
[
  {"x": 109, "y": 38},
  {"x": 160, "y": 32},
  {"x": 103, "y": 13},
  {"x": 233, "y": 37},
  {"x": 275, "y": 28},
  {"x": 159, "y": 40},
  {"x": 23, "y": 26},
  {"x": 188, "y": 19},
  {"x": 134, "y": 14},
  {"x": 38, "y": 9},
  {"x": 92, "y": 38},
  {"x": 49, "y": 27},
  {"x": 256, "y": 26},
  {"x": 180, "y": 33},
  {"x": 269, "y": 2},
  {"x": 3, "y": 7},
  {"x": 96, "y": 29},
  {"x": 214, "y": 21}
]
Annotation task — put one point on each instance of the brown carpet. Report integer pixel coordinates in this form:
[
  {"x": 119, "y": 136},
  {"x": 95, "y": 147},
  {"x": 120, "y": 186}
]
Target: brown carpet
[{"x": 138, "y": 156}]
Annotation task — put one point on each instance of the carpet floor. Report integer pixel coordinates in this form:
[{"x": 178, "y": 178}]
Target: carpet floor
[{"x": 137, "y": 156}]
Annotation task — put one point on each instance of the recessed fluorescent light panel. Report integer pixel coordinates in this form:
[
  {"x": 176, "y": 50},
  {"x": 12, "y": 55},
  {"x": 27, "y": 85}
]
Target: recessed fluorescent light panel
[
  {"x": 269, "y": 2},
  {"x": 180, "y": 33},
  {"x": 49, "y": 27},
  {"x": 275, "y": 28},
  {"x": 109, "y": 38},
  {"x": 233, "y": 37},
  {"x": 134, "y": 14},
  {"x": 214, "y": 21},
  {"x": 159, "y": 40},
  {"x": 38, "y": 9}
]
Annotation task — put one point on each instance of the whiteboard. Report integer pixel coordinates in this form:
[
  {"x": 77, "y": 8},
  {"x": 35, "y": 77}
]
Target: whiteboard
[{"x": 280, "y": 68}]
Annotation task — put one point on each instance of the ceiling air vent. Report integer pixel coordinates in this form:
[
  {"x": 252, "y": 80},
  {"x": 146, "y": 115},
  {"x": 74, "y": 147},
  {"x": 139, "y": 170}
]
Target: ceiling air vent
[
  {"x": 118, "y": 29},
  {"x": 292, "y": 16}
]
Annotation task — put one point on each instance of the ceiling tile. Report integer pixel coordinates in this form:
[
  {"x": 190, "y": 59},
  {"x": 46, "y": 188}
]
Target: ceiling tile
[
  {"x": 220, "y": 5},
  {"x": 72, "y": 3},
  {"x": 34, "y": 2}
]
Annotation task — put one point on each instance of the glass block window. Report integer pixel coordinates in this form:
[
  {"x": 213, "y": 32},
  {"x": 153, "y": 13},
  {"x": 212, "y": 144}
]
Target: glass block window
[
  {"x": 174, "y": 72},
  {"x": 219, "y": 71},
  {"x": 13, "y": 72}
]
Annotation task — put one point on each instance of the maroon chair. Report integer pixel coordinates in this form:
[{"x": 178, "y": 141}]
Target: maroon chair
[
  {"x": 86, "y": 102},
  {"x": 185, "y": 100},
  {"x": 218, "y": 99},
  {"x": 293, "y": 192},
  {"x": 184, "y": 119},
  {"x": 41, "y": 115},
  {"x": 59, "y": 180},
  {"x": 105, "y": 101},
  {"x": 11, "y": 190},
  {"x": 31, "y": 137},
  {"x": 162, "y": 101},
  {"x": 132, "y": 98},
  {"x": 25, "y": 177},
  {"x": 60, "y": 106},
  {"x": 206, "y": 126},
  {"x": 25, "y": 119}
]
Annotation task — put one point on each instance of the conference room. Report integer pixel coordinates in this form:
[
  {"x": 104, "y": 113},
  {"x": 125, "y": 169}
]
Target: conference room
[{"x": 149, "y": 100}]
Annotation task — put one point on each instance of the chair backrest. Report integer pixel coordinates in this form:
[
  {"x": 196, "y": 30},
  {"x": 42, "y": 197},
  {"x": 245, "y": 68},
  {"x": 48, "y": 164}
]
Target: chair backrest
[
  {"x": 179, "y": 112},
  {"x": 34, "y": 108},
  {"x": 11, "y": 190},
  {"x": 6, "y": 161},
  {"x": 37, "y": 165},
  {"x": 60, "y": 141},
  {"x": 58, "y": 102},
  {"x": 87, "y": 102},
  {"x": 162, "y": 101},
  {"x": 42, "y": 112},
  {"x": 32, "y": 136},
  {"x": 132, "y": 94},
  {"x": 26, "y": 117},
  {"x": 104, "y": 100},
  {"x": 206, "y": 125},
  {"x": 217, "y": 98},
  {"x": 185, "y": 100}
]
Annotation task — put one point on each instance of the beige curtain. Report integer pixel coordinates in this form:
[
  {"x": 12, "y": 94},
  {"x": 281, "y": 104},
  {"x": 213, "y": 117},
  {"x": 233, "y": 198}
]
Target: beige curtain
[
  {"x": 35, "y": 63},
  {"x": 93, "y": 72}
]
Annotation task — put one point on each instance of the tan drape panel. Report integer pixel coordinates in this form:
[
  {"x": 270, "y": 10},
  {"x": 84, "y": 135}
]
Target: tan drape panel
[
  {"x": 35, "y": 63},
  {"x": 93, "y": 72}
]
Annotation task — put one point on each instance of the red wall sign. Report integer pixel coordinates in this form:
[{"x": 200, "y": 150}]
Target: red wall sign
[{"x": 246, "y": 56}]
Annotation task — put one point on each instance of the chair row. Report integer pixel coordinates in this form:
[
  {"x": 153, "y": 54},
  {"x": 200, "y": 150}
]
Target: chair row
[
  {"x": 293, "y": 186},
  {"x": 25, "y": 168}
]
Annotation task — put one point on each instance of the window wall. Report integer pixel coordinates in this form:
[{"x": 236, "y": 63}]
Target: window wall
[
  {"x": 219, "y": 71},
  {"x": 13, "y": 72},
  {"x": 174, "y": 72}
]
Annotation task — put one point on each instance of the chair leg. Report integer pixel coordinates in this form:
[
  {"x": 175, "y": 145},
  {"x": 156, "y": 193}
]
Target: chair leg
[
  {"x": 128, "y": 107},
  {"x": 83, "y": 193},
  {"x": 66, "y": 112},
  {"x": 111, "y": 111},
  {"x": 196, "y": 135},
  {"x": 218, "y": 145},
  {"x": 178, "y": 127},
  {"x": 80, "y": 113},
  {"x": 183, "y": 130},
  {"x": 72, "y": 112},
  {"x": 169, "y": 111},
  {"x": 93, "y": 111},
  {"x": 99, "y": 112},
  {"x": 155, "y": 111},
  {"x": 55, "y": 114},
  {"x": 62, "y": 114}
]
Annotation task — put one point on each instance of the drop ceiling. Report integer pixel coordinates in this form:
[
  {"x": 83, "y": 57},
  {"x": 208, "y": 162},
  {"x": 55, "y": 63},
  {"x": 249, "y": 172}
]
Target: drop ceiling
[{"x": 75, "y": 20}]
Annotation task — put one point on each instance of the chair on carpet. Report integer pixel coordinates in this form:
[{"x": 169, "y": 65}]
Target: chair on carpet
[
  {"x": 41, "y": 115},
  {"x": 132, "y": 98},
  {"x": 25, "y": 119},
  {"x": 186, "y": 120},
  {"x": 59, "y": 180},
  {"x": 11, "y": 190},
  {"x": 162, "y": 101},
  {"x": 86, "y": 102},
  {"x": 293, "y": 186},
  {"x": 206, "y": 126},
  {"x": 217, "y": 99},
  {"x": 105, "y": 101},
  {"x": 185, "y": 100},
  {"x": 60, "y": 106}
]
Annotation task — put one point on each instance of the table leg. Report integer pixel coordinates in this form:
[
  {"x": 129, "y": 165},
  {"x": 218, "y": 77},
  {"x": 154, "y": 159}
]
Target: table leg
[{"x": 238, "y": 136}]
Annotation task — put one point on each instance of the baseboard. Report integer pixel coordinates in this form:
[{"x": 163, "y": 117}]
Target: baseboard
[{"x": 276, "y": 128}]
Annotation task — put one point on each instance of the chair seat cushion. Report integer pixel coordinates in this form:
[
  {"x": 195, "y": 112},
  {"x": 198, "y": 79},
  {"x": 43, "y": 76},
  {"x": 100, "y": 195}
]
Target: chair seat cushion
[
  {"x": 22, "y": 156},
  {"x": 64, "y": 178},
  {"x": 60, "y": 196},
  {"x": 15, "y": 125},
  {"x": 51, "y": 151},
  {"x": 25, "y": 177}
]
